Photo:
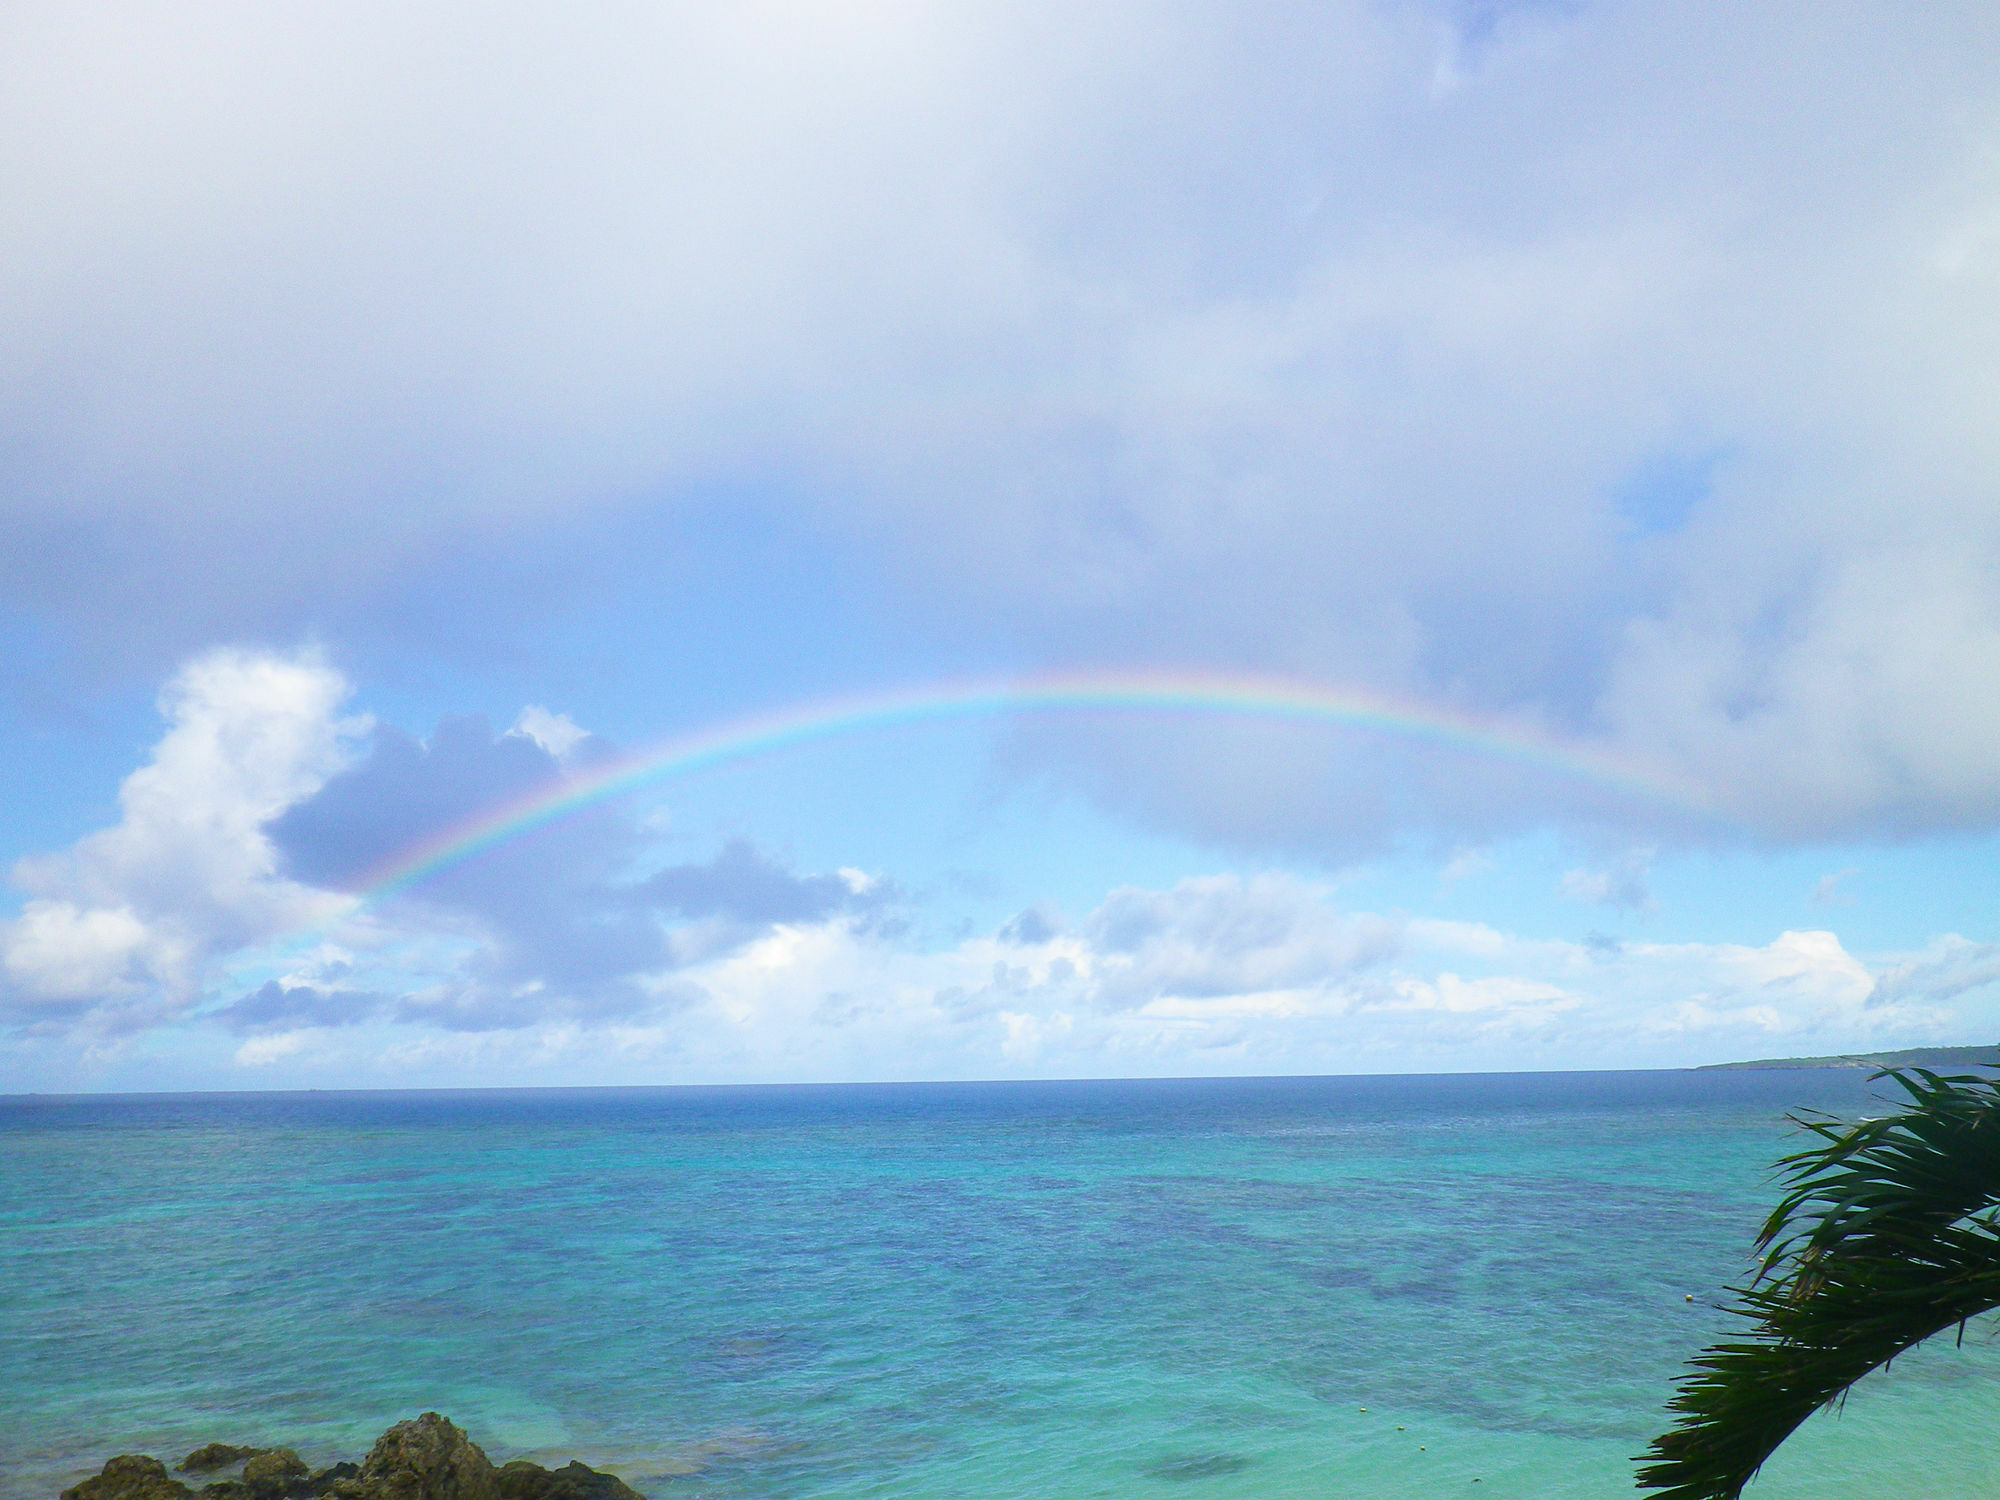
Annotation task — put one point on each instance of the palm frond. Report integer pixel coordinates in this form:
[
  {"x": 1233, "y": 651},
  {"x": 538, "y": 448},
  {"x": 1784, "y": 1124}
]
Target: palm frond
[{"x": 1886, "y": 1236}]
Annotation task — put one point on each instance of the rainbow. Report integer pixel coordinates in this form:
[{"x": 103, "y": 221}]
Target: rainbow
[{"x": 1270, "y": 699}]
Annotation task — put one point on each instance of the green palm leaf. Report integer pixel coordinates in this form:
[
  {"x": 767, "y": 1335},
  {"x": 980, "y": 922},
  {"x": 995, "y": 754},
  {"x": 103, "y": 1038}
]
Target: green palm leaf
[{"x": 1886, "y": 1236}]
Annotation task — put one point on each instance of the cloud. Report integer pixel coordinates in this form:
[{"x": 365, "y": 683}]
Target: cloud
[
  {"x": 263, "y": 1051},
  {"x": 125, "y": 926},
  {"x": 1491, "y": 994},
  {"x": 551, "y": 931},
  {"x": 571, "y": 954},
  {"x": 59, "y": 952},
  {"x": 1623, "y": 883},
  {"x": 1269, "y": 975},
  {"x": 406, "y": 793},
  {"x": 1464, "y": 864},
  {"x": 278, "y": 1007},
  {"x": 263, "y": 810},
  {"x": 1035, "y": 925},
  {"x": 743, "y": 886},
  {"x": 556, "y": 733},
  {"x": 1949, "y": 968},
  {"x": 1220, "y": 936},
  {"x": 1312, "y": 342},
  {"x": 562, "y": 922}
]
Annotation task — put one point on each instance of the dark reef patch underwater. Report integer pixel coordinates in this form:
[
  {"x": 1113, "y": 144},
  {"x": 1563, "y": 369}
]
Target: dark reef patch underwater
[{"x": 1384, "y": 1288}]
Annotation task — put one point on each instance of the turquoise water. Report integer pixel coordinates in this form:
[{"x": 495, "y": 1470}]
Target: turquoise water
[{"x": 1161, "y": 1289}]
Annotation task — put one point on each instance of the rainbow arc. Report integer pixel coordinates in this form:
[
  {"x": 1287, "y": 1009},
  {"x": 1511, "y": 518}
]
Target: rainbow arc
[{"x": 1190, "y": 694}]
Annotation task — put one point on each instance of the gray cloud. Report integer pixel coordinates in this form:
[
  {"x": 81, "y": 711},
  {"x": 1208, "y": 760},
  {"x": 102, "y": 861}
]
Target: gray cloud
[
  {"x": 549, "y": 904},
  {"x": 405, "y": 792},
  {"x": 743, "y": 886},
  {"x": 274, "y": 1006},
  {"x": 1952, "y": 967},
  {"x": 1620, "y": 370},
  {"x": 566, "y": 929},
  {"x": 1035, "y": 925}
]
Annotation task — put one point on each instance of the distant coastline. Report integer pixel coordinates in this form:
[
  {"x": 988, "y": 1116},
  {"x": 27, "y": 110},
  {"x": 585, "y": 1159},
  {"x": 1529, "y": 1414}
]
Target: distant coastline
[{"x": 1914, "y": 1057}]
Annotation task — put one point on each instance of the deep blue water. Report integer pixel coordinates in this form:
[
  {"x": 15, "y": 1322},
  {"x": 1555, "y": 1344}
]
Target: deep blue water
[{"x": 1170, "y": 1289}]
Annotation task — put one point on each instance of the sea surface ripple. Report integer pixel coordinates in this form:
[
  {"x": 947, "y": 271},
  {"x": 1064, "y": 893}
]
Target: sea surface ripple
[{"x": 1368, "y": 1287}]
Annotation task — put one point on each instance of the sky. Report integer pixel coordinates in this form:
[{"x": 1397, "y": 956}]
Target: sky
[{"x": 762, "y": 542}]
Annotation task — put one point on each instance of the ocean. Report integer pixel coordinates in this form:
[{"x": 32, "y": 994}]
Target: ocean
[{"x": 1163, "y": 1290}]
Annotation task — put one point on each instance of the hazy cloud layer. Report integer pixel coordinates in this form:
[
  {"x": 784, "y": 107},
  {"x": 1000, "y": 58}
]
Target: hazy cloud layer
[
  {"x": 1626, "y": 370},
  {"x": 1222, "y": 975},
  {"x": 1621, "y": 883}
]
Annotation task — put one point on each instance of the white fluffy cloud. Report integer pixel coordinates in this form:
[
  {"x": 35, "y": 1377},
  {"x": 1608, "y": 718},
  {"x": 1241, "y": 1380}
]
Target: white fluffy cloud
[
  {"x": 827, "y": 1002},
  {"x": 123, "y": 927},
  {"x": 1623, "y": 369},
  {"x": 1270, "y": 975}
]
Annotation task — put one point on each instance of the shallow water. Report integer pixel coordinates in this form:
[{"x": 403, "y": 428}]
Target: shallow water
[{"x": 1144, "y": 1289}]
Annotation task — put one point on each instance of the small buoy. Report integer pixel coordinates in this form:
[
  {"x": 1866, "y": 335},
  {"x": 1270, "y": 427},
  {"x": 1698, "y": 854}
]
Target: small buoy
[
  {"x": 1399, "y": 1429},
  {"x": 1690, "y": 1297}
]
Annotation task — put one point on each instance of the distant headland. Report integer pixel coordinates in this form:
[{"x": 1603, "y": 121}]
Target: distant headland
[{"x": 1914, "y": 1057}]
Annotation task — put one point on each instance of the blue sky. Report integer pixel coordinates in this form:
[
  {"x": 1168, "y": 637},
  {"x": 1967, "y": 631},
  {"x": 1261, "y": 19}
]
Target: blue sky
[{"x": 402, "y": 410}]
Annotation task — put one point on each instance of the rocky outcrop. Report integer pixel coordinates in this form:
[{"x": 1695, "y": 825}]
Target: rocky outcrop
[
  {"x": 428, "y": 1459},
  {"x": 275, "y": 1474},
  {"x": 130, "y": 1476},
  {"x": 216, "y": 1456},
  {"x": 522, "y": 1480},
  {"x": 425, "y": 1459}
]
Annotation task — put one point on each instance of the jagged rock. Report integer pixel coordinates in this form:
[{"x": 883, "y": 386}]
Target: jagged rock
[
  {"x": 275, "y": 1473},
  {"x": 428, "y": 1459},
  {"x": 130, "y": 1476},
  {"x": 521, "y": 1480},
  {"x": 215, "y": 1456}
]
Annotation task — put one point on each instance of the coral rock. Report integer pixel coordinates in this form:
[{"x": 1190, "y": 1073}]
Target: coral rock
[
  {"x": 130, "y": 1476},
  {"x": 428, "y": 1459},
  {"x": 522, "y": 1480},
  {"x": 216, "y": 1456},
  {"x": 273, "y": 1475}
]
